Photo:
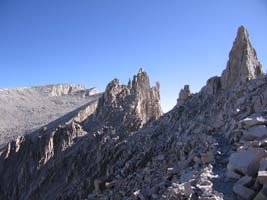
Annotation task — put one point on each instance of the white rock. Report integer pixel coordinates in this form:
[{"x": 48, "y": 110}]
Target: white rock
[{"x": 252, "y": 121}]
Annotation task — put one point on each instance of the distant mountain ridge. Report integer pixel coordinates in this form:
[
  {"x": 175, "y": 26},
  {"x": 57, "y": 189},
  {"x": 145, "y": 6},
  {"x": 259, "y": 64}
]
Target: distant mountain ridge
[{"x": 24, "y": 109}]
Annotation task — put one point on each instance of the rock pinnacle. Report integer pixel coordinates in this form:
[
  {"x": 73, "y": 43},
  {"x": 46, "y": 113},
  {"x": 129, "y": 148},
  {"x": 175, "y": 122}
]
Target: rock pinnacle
[{"x": 243, "y": 64}]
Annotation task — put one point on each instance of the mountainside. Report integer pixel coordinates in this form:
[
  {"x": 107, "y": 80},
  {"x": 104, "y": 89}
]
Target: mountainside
[
  {"x": 210, "y": 146},
  {"x": 25, "y": 109}
]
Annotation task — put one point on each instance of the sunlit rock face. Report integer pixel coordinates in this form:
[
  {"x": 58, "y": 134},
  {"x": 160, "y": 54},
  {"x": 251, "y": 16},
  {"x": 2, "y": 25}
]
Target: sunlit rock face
[
  {"x": 243, "y": 64},
  {"x": 64, "y": 89},
  {"x": 129, "y": 106}
]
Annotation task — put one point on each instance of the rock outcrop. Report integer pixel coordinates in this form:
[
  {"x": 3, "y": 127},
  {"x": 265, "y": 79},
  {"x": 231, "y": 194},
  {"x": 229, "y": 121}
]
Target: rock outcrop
[
  {"x": 130, "y": 106},
  {"x": 184, "y": 94},
  {"x": 64, "y": 89},
  {"x": 243, "y": 64},
  {"x": 213, "y": 86}
]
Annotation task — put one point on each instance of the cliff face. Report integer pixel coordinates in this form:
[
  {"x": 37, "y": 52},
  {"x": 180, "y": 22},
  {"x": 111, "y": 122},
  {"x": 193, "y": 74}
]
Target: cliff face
[
  {"x": 64, "y": 89},
  {"x": 211, "y": 146}
]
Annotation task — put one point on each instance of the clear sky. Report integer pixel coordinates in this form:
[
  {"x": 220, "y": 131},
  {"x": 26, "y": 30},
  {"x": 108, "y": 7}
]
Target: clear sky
[{"x": 93, "y": 41}]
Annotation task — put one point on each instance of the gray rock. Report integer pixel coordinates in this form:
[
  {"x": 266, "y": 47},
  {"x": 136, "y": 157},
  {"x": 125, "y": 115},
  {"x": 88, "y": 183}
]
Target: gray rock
[
  {"x": 262, "y": 195},
  {"x": 252, "y": 121},
  {"x": 256, "y": 132},
  {"x": 245, "y": 181},
  {"x": 24, "y": 110},
  {"x": 246, "y": 162},
  {"x": 262, "y": 177},
  {"x": 263, "y": 164},
  {"x": 213, "y": 86},
  {"x": 243, "y": 64},
  {"x": 244, "y": 192},
  {"x": 184, "y": 94}
]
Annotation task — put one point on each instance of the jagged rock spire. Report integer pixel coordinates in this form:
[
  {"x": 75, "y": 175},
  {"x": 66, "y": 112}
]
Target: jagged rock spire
[
  {"x": 184, "y": 94},
  {"x": 130, "y": 105},
  {"x": 243, "y": 63}
]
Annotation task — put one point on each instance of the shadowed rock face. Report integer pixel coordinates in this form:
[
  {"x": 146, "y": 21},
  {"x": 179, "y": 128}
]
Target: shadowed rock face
[
  {"x": 243, "y": 63},
  {"x": 212, "y": 146}
]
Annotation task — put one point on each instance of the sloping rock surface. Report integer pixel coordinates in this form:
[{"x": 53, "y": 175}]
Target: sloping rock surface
[{"x": 26, "y": 109}]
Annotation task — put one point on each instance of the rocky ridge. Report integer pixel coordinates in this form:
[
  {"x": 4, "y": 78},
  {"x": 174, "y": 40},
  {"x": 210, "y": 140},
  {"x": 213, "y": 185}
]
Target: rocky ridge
[
  {"x": 26, "y": 109},
  {"x": 56, "y": 148},
  {"x": 212, "y": 146}
]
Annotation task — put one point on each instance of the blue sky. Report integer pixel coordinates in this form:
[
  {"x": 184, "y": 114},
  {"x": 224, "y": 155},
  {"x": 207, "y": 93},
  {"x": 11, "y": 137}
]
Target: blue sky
[{"x": 93, "y": 41}]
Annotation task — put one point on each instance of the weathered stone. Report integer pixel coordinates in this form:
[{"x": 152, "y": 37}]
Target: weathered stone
[
  {"x": 188, "y": 189},
  {"x": 262, "y": 195},
  {"x": 256, "y": 132},
  {"x": 246, "y": 161},
  {"x": 213, "y": 86},
  {"x": 138, "y": 195},
  {"x": 243, "y": 64},
  {"x": 244, "y": 181},
  {"x": 263, "y": 164},
  {"x": 110, "y": 185},
  {"x": 129, "y": 107},
  {"x": 183, "y": 95},
  {"x": 207, "y": 157},
  {"x": 243, "y": 192},
  {"x": 99, "y": 185},
  {"x": 160, "y": 157},
  {"x": 252, "y": 121},
  {"x": 231, "y": 175},
  {"x": 262, "y": 177},
  {"x": 64, "y": 89}
]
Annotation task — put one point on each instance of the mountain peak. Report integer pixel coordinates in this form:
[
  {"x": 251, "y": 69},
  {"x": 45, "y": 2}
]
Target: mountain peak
[
  {"x": 243, "y": 63},
  {"x": 130, "y": 105},
  {"x": 242, "y": 31}
]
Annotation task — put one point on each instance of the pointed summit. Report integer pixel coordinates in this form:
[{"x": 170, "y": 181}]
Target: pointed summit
[
  {"x": 183, "y": 95},
  {"x": 243, "y": 63},
  {"x": 129, "y": 106}
]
